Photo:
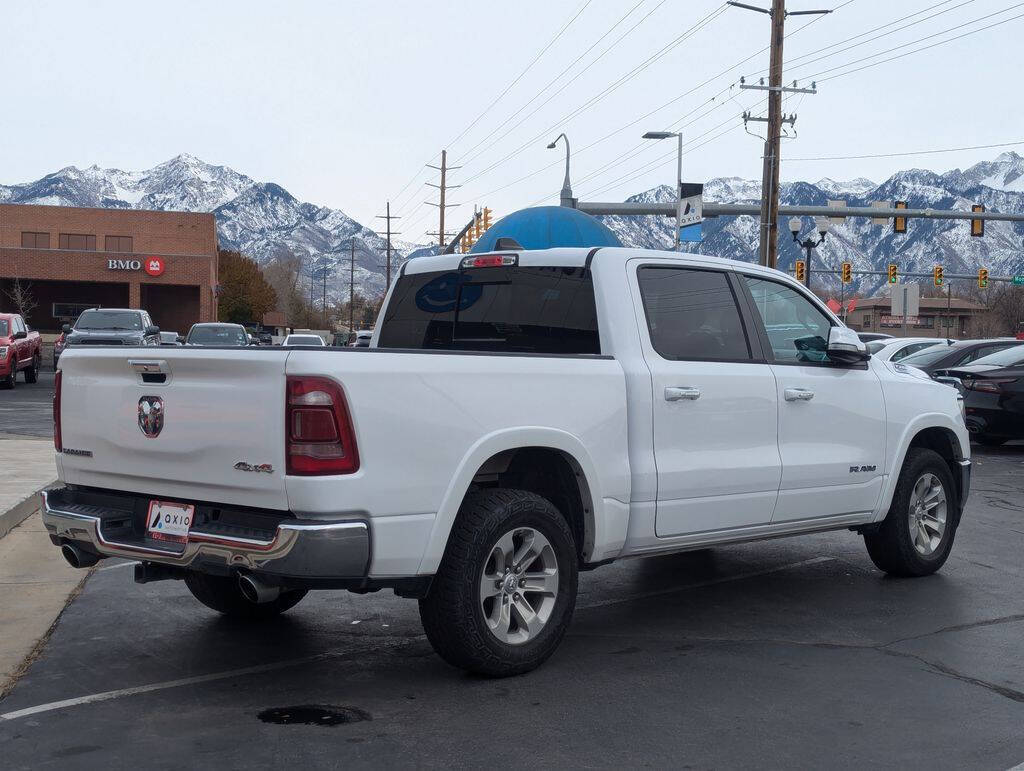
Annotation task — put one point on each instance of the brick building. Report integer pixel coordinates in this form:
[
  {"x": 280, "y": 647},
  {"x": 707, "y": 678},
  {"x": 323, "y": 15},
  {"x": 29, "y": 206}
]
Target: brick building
[
  {"x": 74, "y": 258},
  {"x": 938, "y": 317}
]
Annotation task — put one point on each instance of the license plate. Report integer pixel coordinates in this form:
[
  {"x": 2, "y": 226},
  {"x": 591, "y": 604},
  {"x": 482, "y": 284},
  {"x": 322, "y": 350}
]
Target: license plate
[{"x": 169, "y": 521}]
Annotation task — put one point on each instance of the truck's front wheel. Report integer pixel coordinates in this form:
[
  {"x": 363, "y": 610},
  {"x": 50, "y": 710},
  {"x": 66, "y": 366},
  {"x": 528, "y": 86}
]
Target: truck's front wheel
[
  {"x": 916, "y": 536},
  {"x": 506, "y": 588},
  {"x": 223, "y": 594}
]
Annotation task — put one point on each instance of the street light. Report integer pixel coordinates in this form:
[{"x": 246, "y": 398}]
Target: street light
[
  {"x": 808, "y": 244},
  {"x": 566, "y": 195},
  {"x": 679, "y": 173}
]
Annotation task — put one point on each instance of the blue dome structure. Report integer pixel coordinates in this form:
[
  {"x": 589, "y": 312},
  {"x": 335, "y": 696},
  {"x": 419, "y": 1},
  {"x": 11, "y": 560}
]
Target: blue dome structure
[{"x": 547, "y": 227}]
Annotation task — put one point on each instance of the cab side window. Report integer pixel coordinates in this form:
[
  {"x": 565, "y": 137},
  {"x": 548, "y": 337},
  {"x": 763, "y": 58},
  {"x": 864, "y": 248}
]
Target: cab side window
[
  {"x": 797, "y": 330},
  {"x": 692, "y": 314}
]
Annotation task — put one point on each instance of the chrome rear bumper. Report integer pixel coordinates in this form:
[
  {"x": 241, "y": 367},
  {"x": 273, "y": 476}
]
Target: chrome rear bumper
[{"x": 298, "y": 549}]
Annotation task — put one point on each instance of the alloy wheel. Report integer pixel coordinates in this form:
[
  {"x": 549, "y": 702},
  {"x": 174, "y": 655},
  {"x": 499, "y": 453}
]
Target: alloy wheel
[
  {"x": 519, "y": 585},
  {"x": 927, "y": 514}
]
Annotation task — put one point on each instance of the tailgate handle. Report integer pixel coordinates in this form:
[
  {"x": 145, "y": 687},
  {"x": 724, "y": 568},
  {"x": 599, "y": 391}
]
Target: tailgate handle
[
  {"x": 151, "y": 371},
  {"x": 148, "y": 366}
]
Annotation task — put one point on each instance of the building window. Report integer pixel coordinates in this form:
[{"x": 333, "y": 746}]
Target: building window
[
  {"x": 78, "y": 241},
  {"x": 35, "y": 240},
  {"x": 117, "y": 243}
]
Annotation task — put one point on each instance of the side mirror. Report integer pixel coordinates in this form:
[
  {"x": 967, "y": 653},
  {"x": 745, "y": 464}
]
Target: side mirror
[
  {"x": 19, "y": 335},
  {"x": 844, "y": 347},
  {"x": 152, "y": 329},
  {"x": 66, "y": 329}
]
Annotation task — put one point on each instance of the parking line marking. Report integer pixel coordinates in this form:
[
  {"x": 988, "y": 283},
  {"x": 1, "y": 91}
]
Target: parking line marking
[
  {"x": 700, "y": 584},
  {"x": 108, "y": 695}
]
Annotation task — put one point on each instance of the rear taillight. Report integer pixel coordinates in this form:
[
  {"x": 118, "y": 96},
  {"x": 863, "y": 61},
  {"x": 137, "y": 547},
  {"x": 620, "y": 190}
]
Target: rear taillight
[
  {"x": 56, "y": 412},
  {"x": 990, "y": 386},
  {"x": 319, "y": 437}
]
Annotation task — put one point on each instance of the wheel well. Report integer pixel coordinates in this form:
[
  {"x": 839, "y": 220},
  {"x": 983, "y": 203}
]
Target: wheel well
[
  {"x": 551, "y": 474},
  {"x": 944, "y": 442}
]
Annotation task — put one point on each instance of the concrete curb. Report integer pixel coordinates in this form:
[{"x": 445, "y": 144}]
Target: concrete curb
[{"x": 22, "y": 510}]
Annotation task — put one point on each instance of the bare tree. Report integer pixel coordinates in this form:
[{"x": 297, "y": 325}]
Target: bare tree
[{"x": 21, "y": 298}]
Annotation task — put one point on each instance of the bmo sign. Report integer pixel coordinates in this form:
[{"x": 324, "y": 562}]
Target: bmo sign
[{"x": 154, "y": 266}]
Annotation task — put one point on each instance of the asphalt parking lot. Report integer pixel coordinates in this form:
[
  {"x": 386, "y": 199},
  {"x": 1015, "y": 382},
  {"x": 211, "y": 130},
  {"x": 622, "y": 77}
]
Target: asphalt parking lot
[
  {"x": 794, "y": 652},
  {"x": 28, "y": 409}
]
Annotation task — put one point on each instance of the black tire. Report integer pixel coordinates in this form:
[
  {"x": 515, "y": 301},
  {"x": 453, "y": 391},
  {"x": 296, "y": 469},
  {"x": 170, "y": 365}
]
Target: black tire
[
  {"x": 32, "y": 373},
  {"x": 221, "y": 593},
  {"x": 451, "y": 612},
  {"x": 989, "y": 441},
  {"x": 891, "y": 546},
  {"x": 11, "y": 380}
]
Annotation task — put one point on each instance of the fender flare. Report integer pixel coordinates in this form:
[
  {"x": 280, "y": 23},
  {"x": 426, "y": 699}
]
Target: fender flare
[
  {"x": 912, "y": 429},
  {"x": 491, "y": 445}
]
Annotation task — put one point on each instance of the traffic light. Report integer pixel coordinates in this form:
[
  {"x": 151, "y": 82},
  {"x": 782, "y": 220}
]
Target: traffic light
[
  {"x": 477, "y": 226},
  {"x": 982, "y": 278},
  {"x": 846, "y": 273},
  {"x": 486, "y": 218},
  {"x": 937, "y": 275},
  {"x": 801, "y": 270},
  {"x": 893, "y": 278},
  {"x": 899, "y": 224},
  {"x": 978, "y": 226}
]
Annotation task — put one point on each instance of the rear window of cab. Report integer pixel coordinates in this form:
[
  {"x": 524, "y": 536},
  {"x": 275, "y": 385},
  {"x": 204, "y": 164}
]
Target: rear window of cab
[{"x": 504, "y": 309}]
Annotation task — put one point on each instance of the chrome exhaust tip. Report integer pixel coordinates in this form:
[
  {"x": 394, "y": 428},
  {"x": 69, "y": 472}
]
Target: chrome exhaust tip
[
  {"x": 257, "y": 591},
  {"x": 77, "y": 558}
]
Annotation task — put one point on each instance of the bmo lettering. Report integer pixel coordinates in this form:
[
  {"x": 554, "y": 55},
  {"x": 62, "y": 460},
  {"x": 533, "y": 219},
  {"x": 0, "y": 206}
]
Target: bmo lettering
[{"x": 124, "y": 265}]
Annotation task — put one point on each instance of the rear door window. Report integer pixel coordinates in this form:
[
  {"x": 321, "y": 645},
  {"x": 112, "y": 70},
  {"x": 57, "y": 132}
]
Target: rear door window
[
  {"x": 505, "y": 309},
  {"x": 692, "y": 314}
]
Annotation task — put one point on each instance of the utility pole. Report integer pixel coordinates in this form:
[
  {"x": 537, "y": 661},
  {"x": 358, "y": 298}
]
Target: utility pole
[
  {"x": 387, "y": 218},
  {"x": 773, "y": 141},
  {"x": 309, "y": 311},
  {"x": 352, "y": 288},
  {"x": 324, "y": 269},
  {"x": 444, "y": 168}
]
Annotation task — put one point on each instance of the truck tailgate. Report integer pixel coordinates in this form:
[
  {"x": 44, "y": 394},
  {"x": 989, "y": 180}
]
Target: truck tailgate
[{"x": 222, "y": 433}]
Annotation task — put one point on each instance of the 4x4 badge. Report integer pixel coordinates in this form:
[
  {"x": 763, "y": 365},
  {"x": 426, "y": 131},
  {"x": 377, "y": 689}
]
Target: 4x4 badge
[{"x": 151, "y": 415}]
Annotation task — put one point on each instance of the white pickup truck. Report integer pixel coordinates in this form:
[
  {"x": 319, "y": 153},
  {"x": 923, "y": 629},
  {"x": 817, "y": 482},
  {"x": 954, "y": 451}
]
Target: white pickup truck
[{"x": 519, "y": 416}]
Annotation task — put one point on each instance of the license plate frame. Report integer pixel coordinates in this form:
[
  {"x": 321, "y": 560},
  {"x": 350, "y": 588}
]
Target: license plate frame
[{"x": 170, "y": 521}]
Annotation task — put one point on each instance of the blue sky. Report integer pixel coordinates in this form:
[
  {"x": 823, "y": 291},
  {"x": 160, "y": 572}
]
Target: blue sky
[{"x": 343, "y": 102}]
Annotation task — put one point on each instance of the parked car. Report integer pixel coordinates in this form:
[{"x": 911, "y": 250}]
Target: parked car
[
  {"x": 110, "y": 326},
  {"x": 21, "y": 350},
  {"x": 362, "y": 338},
  {"x": 170, "y": 338},
  {"x": 870, "y": 337},
  {"x": 897, "y": 348},
  {"x": 526, "y": 415},
  {"x": 217, "y": 334},
  {"x": 937, "y": 359},
  {"x": 993, "y": 391},
  {"x": 303, "y": 339}
]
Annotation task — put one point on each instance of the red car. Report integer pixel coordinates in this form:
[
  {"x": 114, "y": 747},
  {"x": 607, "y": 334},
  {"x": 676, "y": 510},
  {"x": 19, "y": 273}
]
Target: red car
[{"x": 20, "y": 349}]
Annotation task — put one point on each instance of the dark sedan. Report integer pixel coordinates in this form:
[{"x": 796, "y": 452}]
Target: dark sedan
[
  {"x": 993, "y": 389},
  {"x": 939, "y": 358}
]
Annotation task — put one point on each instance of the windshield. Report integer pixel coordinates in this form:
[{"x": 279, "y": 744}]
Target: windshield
[
  {"x": 1004, "y": 358},
  {"x": 927, "y": 357},
  {"x": 304, "y": 340},
  {"x": 875, "y": 346},
  {"x": 217, "y": 335},
  {"x": 109, "y": 320}
]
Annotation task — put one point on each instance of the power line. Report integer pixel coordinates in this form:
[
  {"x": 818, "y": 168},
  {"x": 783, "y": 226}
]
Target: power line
[
  {"x": 521, "y": 74},
  {"x": 551, "y": 82},
  {"x": 903, "y": 154},
  {"x": 621, "y": 81},
  {"x": 917, "y": 50}
]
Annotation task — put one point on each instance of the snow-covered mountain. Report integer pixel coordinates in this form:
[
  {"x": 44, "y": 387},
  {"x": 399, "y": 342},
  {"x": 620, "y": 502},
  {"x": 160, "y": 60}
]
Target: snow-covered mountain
[
  {"x": 260, "y": 219},
  {"x": 998, "y": 184},
  {"x": 264, "y": 220}
]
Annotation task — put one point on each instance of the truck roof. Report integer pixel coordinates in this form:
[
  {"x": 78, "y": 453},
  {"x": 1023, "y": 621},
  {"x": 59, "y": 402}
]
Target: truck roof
[{"x": 575, "y": 257}]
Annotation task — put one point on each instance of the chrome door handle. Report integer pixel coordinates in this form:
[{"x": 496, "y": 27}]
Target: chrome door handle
[
  {"x": 682, "y": 392},
  {"x": 798, "y": 395}
]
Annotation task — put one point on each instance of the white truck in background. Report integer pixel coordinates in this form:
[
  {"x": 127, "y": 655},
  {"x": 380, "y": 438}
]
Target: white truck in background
[{"x": 519, "y": 416}]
